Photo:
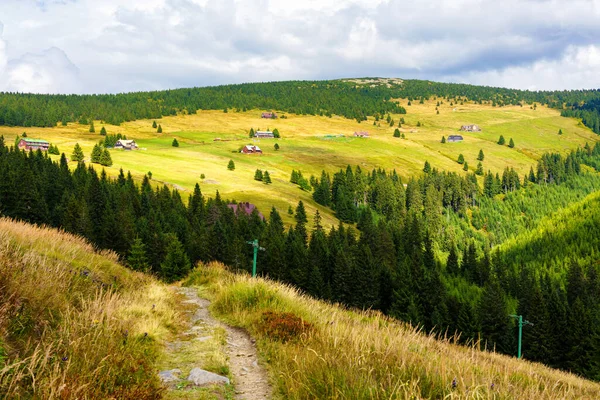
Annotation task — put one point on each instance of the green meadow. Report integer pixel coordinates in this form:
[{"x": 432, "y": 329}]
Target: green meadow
[{"x": 305, "y": 146}]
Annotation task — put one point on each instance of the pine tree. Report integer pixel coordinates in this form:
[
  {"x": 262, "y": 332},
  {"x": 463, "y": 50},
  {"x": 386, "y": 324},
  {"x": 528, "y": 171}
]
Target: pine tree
[
  {"x": 77, "y": 153},
  {"x": 96, "y": 154},
  {"x": 461, "y": 159},
  {"x": 106, "y": 159},
  {"x": 154, "y": 126},
  {"x": 501, "y": 140},
  {"x": 175, "y": 143},
  {"x": 159, "y": 130},
  {"x": 92, "y": 129},
  {"x": 511, "y": 143},
  {"x": 480, "y": 157},
  {"x": 266, "y": 178},
  {"x": 137, "y": 259},
  {"x": 231, "y": 165},
  {"x": 258, "y": 175},
  {"x": 103, "y": 131}
]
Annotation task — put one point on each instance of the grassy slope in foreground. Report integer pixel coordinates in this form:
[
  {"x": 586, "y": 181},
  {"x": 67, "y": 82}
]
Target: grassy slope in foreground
[
  {"x": 304, "y": 147},
  {"x": 73, "y": 321},
  {"x": 349, "y": 354}
]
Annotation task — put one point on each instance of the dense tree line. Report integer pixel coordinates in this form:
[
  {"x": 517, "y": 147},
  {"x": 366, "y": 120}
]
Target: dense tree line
[
  {"x": 300, "y": 97},
  {"x": 414, "y": 253},
  {"x": 345, "y": 98}
]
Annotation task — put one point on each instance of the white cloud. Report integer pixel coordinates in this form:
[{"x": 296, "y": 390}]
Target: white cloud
[
  {"x": 2, "y": 51},
  {"x": 122, "y": 45},
  {"x": 577, "y": 68},
  {"x": 47, "y": 72}
]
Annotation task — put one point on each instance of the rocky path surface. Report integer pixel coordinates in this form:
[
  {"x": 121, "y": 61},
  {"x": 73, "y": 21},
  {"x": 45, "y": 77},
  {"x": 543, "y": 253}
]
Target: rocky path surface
[{"x": 249, "y": 377}]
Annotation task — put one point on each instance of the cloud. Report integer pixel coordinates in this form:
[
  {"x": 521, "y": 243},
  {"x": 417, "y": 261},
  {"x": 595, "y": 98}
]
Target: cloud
[
  {"x": 50, "y": 71},
  {"x": 2, "y": 51},
  {"x": 577, "y": 68},
  {"x": 124, "y": 45}
]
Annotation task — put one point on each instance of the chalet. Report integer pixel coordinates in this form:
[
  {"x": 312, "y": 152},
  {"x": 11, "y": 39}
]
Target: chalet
[
  {"x": 245, "y": 207},
  {"x": 126, "y": 144},
  {"x": 455, "y": 138},
  {"x": 251, "y": 149},
  {"x": 361, "y": 134},
  {"x": 33, "y": 144},
  {"x": 264, "y": 135},
  {"x": 269, "y": 115},
  {"x": 470, "y": 128}
]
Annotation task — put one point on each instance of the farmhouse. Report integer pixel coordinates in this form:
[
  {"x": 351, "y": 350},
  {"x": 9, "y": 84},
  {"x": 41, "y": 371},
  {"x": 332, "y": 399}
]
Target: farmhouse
[
  {"x": 264, "y": 134},
  {"x": 269, "y": 115},
  {"x": 455, "y": 138},
  {"x": 361, "y": 134},
  {"x": 33, "y": 144},
  {"x": 245, "y": 207},
  {"x": 470, "y": 128},
  {"x": 126, "y": 144},
  {"x": 251, "y": 149}
]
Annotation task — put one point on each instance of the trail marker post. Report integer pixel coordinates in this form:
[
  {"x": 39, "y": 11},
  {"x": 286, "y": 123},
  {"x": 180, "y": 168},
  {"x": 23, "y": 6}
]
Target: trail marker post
[
  {"x": 521, "y": 323},
  {"x": 256, "y": 247}
]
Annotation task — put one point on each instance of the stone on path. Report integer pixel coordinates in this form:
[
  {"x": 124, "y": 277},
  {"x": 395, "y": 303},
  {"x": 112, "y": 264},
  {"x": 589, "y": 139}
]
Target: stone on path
[
  {"x": 169, "y": 375},
  {"x": 201, "y": 377}
]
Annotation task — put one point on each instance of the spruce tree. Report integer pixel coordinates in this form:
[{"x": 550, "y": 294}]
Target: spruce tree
[
  {"x": 231, "y": 165},
  {"x": 276, "y": 146},
  {"x": 480, "y": 157},
  {"x": 258, "y": 175},
  {"x": 176, "y": 263},
  {"x": 461, "y": 159},
  {"x": 154, "y": 126},
  {"x": 137, "y": 259},
  {"x": 92, "y": 129},
  {"x": 466, "y": 166},
  {"x": 397, "y": 133},
  {"x": 479, "y": 170},
  {"x": 251, "y": 134},
  {"x": 103, "y": 131},
  {"x": 175, "y": 143},
  {"x": 77, "y": 153},
  {"x": 560, "y": 132},
  {"x": 276, "y": 134},
  {"x": 96, "y": 154},
  {"x": 427, "y": 167},
  {"x": 443, "y": 139},
  {"x": 106, "y": 159},
  {"x": 159, "y": 130},
  {"x": 501, "y": 140},
  {"x": 266, "y": 178},
  {"x": 511, "y": 143}
]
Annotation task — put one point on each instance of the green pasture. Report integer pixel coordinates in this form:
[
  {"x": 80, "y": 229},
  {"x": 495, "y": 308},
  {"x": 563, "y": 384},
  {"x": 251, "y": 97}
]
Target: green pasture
[{"x": 306, "y": 145}]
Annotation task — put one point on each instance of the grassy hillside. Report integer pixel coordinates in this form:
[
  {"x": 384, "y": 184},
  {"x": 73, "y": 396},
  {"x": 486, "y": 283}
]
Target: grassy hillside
[
  {"x": 317, "y": 351},
  {"x": 304, "y": 146},
  {"x": 74, "y": 323}
]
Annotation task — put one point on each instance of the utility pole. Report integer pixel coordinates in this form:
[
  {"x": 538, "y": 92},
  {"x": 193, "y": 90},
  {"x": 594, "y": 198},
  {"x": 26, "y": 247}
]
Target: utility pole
[
  {"x": 521, "y": 323},
  {"x": 256, "y": 247}
]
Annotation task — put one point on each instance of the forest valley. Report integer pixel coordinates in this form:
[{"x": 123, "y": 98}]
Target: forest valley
[{"x": 441, "y": 252}]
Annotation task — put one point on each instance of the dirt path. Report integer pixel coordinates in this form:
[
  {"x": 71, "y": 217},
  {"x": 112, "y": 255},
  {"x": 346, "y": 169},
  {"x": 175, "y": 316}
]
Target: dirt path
[{"x": 249, "y": 377}]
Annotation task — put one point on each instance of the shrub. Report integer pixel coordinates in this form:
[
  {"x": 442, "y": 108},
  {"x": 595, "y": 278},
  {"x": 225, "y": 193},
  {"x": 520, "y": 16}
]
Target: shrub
[{"x": 283, "y": 326}]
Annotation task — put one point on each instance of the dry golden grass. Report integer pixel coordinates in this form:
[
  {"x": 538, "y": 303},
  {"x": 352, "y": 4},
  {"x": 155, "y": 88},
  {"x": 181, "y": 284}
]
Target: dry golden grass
[
  {"x": 74, "y": 323},
  {"x": 355, "y": 355}
]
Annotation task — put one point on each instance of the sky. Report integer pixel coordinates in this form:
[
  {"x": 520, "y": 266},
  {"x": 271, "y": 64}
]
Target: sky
[{"x": 111, "y": 46}]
